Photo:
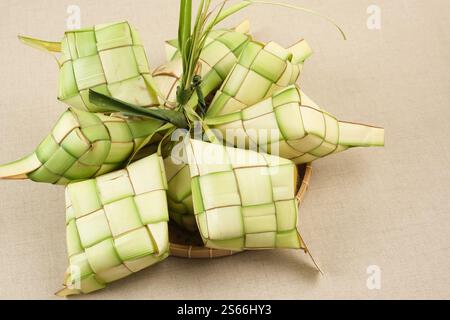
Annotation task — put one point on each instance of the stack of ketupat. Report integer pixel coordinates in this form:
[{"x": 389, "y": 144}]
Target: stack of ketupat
[{"x": 237, "y": 199}]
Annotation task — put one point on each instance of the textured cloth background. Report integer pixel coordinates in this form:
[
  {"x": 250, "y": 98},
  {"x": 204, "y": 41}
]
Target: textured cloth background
[{"x": 383, "y": 206}]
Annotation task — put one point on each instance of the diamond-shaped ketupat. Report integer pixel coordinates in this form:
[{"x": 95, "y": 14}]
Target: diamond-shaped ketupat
[
  {"x": 261, "y": 70},
  {"x": 292, "y": 126},
  {"x": 116, "y": 225},
  {"x": 109, "y": 58},
  {"x": 82, "y": 145},
  {"x": 243, "y": 199}
]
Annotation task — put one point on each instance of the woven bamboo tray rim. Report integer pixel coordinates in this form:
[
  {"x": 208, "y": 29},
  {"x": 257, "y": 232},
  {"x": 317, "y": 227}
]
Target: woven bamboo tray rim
[{"x": 197, "y": 251}]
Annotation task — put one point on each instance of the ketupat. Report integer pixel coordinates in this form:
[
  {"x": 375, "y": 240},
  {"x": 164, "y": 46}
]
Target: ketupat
[
  {"x": 221, "y": 52},
  {"x": 109, "y": 58},
  {"x": 290, "y": 125},
  {"x": 116, "y": 225},
  {"x": 243, "y": 199},
  {"x": 261, "y": 70},
  {"x": 82, "y": 145}
]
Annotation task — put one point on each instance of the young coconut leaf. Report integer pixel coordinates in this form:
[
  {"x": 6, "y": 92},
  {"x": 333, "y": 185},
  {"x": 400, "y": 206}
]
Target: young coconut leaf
[
  {"x": 116, "y": 225},
  {"x": 109, "y": 58},
  {"x": 185, "y": 23},
  {"x": 262, "y": 69},
  {"x": 227, "y": 12},
  {"x": 174, "y": 117},
  {"x": 292, "y": 126},
  {"x": 298, "y": 8},
  {"x": 234, "y": 39},
  {"x": 82, "y": 145},
  {"x": 244, "y": 4},
  {"x": 243, "y": 199}
]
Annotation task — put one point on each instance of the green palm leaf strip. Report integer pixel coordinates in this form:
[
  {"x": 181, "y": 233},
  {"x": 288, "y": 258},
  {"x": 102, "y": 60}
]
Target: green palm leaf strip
[
  {"x": 46, "y": 46},
  {"x": 171, "y": 116}
]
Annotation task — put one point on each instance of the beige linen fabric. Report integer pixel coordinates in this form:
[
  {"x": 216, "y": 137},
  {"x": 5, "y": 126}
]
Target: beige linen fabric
[{"x": 383, "y": 206}]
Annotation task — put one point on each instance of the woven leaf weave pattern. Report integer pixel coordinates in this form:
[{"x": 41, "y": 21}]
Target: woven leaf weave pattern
[
  {"x": 83, "y": 145},
  {"x": 231, "y": 213},
  {"x": 109, "y": 58},
  {"x": 292, "y": 127},
  {"x": 260, "y": 71},
  {"x": 117, "y": 223},
  {"x": 221, "y": 52},
  {"x": 179, "y": 194}
]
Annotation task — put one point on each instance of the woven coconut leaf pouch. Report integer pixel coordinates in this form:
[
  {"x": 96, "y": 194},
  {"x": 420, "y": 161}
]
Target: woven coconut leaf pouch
[
  {"x": 113, "y": 148},
  {"x": 116, "y": 225}
]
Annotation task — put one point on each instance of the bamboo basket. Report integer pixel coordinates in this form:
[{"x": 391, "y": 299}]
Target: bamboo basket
[{"x": 184, "y": 244}]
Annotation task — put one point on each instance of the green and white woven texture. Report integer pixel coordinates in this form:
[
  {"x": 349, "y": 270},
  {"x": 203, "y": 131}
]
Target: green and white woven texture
[
  {"x": 179, "y": 194},
  {"x": 117, "y": 213},
  {"x": 221, "y": 52},
  {"x": 109, "y": 58},
  {"x": 82, "y": 145},
  {"x": 262, "y": 69},
  {"x": 292, "y": 126},
  {"x": 116, "y": 225},
  {"x": 243, "y": 199}
]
